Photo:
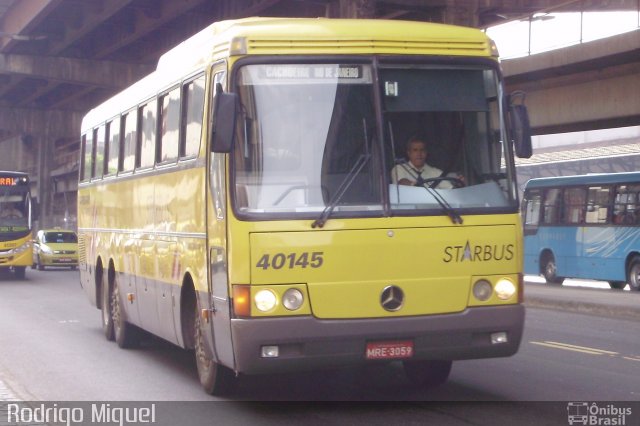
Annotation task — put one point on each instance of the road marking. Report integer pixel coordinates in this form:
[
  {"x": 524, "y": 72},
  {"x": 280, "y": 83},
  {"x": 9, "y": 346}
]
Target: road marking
[
  {"x": 584, "y": 349},
  {"x": 567, "y": 348}
]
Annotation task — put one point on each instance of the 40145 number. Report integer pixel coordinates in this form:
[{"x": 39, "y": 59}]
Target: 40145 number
[{"x": 292, "y": 260}]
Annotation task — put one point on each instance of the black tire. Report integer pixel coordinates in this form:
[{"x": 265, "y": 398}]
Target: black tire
[
  {"x": 20, "y": 271},
  {"x": 427, "y": 373},
  {"x": 633, "y": 274},
  {"x": 617, "y": 285},
  {"x": 215, "y": 379},
  {"x": 126, "y": 335},
  {"x": 549, "y": 269},
  {"x": 107, "y": 317}
]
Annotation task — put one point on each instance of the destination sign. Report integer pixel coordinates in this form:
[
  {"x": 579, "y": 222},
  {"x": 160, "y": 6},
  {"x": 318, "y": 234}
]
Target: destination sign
[
  {"x": 316, "y": 73},
  {"x": 312, "y": 71}
]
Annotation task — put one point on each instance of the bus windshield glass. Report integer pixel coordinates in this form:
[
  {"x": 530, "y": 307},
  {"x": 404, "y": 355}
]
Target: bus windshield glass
[
  {"x": 14, "y": 207},
  {"x": 314, "y": 137}
]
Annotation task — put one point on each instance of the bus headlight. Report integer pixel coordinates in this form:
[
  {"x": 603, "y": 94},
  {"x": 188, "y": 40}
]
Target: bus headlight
[
  {"x": 482, "y": 290},
  {"x": 292, "y": 299},
  {"x": 265, "y": 300},
  {"x": 505, "y": 289}
]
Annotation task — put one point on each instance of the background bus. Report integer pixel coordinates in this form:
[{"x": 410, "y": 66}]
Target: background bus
[
  {"x": 268, "y": 237},
  {"x": 15, "y": 222},
  {"x": 585, "y": 226}
]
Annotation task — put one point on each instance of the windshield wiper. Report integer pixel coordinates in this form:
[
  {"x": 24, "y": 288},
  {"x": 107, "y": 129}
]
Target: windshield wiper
[
  {"x": 446, "y": 207},
  {"x": 346, "y": 183}
]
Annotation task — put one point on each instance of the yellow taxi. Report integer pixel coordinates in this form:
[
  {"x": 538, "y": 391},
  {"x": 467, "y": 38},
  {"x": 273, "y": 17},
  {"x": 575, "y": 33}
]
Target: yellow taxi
[{"x": 55, "y": 247}]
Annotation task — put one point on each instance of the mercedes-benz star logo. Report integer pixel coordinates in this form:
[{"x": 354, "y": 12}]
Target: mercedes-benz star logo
[{"x": 392, "y": 298}]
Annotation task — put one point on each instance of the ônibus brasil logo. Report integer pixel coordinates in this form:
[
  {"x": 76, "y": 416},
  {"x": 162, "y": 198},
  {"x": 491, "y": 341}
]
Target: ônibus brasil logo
[{"x": 597, "y": 414}]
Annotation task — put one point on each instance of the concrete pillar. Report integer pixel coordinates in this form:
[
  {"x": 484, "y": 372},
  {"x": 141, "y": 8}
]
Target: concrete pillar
[{"x": 353, "y": 9}]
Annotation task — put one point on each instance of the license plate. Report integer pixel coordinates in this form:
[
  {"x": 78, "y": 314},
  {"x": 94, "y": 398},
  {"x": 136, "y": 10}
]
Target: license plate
[{"x": 389, "y": 350}]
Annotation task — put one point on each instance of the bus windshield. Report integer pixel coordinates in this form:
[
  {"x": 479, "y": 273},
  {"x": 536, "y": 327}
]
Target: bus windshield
[
  {"x": 14, "y": 205},
  {"x": 312, "y": 137}
]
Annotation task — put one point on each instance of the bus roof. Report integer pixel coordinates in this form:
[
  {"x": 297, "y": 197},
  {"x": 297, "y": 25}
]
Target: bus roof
[
  {"x": 294, "y": 36},
  {"x": 590, "y": 179}
]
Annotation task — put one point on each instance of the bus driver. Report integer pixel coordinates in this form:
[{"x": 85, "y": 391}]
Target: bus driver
[{"x": 416, "y": 171}]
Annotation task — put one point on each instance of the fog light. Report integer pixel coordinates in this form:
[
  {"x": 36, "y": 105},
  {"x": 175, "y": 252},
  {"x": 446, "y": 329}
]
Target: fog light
[
  {"x": 500, "y": 337},
  {"x": 482, "y": 290},
  {"x": 505, "y": 289},
  {"x": 265, "y": 300},
  {"x": 292, "y": 299},
  {"x": 270, "y": 351}
]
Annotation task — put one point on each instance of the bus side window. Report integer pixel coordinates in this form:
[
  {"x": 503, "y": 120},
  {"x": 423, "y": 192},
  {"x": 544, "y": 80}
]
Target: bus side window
[
  {"x": 574, "y": 202},
  {"x": 551, "y": 207},
  {"x": 626, "y": 209},
  {"x": 533, "y": 204},
  {"x": 598, "y": 204}
]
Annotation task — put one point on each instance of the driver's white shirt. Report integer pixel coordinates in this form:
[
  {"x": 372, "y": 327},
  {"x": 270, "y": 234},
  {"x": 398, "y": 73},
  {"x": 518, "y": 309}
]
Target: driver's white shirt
[{"x": 408, "y": 171}]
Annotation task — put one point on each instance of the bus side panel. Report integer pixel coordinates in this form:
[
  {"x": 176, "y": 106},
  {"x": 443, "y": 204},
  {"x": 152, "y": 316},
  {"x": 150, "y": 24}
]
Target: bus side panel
[
  {"x": 605, "y": 252},
  {"x": 86, "y": 213}
]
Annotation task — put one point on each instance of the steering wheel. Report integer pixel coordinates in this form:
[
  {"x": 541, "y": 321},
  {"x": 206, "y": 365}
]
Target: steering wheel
[{"x": 433, "y": 182}]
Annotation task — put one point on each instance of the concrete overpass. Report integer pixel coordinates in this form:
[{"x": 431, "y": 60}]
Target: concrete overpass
[
  {"x": 58, "y": 58},
  {"x": 594, "y": 85}
]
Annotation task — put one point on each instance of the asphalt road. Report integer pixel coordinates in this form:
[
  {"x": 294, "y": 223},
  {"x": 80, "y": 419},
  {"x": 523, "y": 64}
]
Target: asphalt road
[{"x": 52, "y": 349}]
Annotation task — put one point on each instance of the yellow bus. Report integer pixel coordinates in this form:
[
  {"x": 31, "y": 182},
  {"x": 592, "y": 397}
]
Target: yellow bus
[
  {"x": 16, "y": 233},
  {"x": 239, "y": 202}
]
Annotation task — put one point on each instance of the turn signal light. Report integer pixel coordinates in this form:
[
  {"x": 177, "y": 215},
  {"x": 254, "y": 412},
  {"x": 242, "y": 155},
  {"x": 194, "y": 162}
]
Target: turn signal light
[{"x": 242, "y": 300}]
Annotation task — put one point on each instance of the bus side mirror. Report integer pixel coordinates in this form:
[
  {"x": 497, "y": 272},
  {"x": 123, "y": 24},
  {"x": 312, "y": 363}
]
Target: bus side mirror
[
  {"x": 520, "y": 127},
  {"x": 224, "y": 120}
]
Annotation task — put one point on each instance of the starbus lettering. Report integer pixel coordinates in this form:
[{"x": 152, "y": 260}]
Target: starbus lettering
[{"x": 478, "y": 253}]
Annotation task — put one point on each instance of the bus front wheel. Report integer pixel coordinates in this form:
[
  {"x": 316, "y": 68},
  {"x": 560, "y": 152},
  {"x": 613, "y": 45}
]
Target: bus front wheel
[
  {"x": 427, "y": 373},
  {"x": 216, "y": 379},
  {"x": 20, "y": 272},
  {"x": 550, "y": 270},
  {"x": 633, "y": 274}
]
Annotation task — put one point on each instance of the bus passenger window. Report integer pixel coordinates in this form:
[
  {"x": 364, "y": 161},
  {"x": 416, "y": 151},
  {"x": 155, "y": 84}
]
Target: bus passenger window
[
  {"x": 532, "y": 208},
  {"x": 193, "y": 108},
  {"x": 129, "y": 148},
  {"x": 551, "y": 207},
  {"x": 169, "y": 126},
  {"x": 598, "y": 205},
  {"x": 148, "y": 134},
  {"x": 114, "y": 146},
  {"x": 574, "y": 205}
]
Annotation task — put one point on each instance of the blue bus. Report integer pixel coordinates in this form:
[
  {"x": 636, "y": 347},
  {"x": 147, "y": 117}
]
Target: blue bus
[{"x": 585, "y": 227}]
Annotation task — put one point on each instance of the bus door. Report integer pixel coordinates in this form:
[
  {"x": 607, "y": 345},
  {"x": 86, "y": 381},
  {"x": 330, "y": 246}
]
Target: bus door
[
  {"x": 217, "y": 266},
  {"x": 218, "y": 276}
]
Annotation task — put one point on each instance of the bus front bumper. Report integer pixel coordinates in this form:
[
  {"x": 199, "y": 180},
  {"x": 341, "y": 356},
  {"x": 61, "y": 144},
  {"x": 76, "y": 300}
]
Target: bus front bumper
[{"x": 307, "y": 343}]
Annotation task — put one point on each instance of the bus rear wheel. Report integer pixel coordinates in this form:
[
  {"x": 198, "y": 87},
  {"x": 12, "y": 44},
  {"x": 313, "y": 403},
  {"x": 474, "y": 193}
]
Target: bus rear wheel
[
  {"x": 633, "y": 274},
  {"x": 427, "y": 373},
  {"x": 549, "y": 269},
  {"x": 125, "y": 334},
  {"x": 107, "y": 317},
  {"x": 216, "y": 379}
]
